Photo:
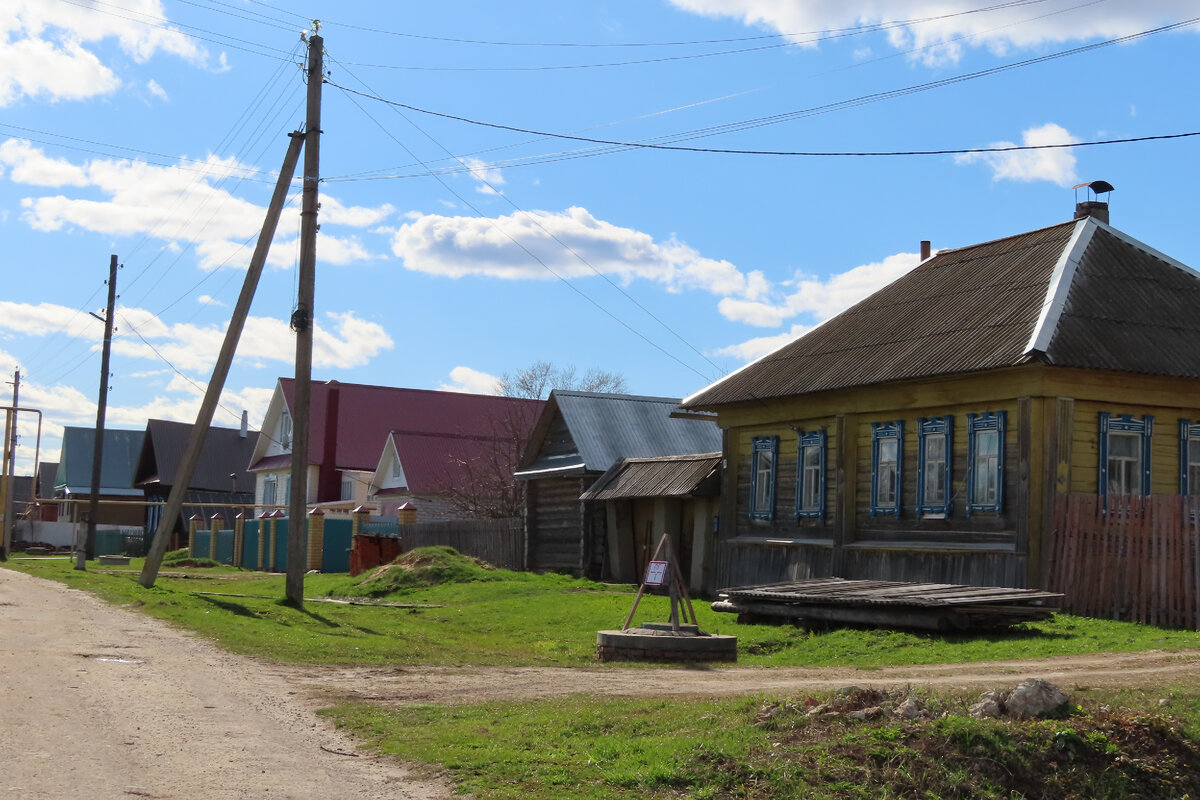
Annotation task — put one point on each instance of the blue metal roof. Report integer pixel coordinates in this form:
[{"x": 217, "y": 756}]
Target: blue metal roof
[
  {"x": 120, "y": 457},
  {"x": 608, "y": 427}
]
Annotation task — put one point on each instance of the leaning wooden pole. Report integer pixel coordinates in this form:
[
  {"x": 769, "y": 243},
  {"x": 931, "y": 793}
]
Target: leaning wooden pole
[
  {"x": 216, "y": 384},
  {"x": 302, "y": 324}
]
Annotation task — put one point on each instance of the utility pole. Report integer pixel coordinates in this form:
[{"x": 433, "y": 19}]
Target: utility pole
[
  {"x": 89, "y": 543},
  {"x": 10, "y": 472},
  {"x": 195, "y": 443},
  {"x": 302, "y": 324}
]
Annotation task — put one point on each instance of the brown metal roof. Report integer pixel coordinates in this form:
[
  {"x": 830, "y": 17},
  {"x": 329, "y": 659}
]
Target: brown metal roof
[
  {"x": 1077, "y": 294},
  {"x": 666, "y": 476},
  {"x": 1129, "y": 310}
]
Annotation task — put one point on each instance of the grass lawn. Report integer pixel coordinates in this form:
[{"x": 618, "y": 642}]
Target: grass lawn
[{"x": 463, "y": 615}]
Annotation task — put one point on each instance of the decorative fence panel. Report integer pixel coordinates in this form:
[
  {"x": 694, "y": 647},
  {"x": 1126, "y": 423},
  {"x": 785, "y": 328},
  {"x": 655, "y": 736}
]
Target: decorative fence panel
[
  {"x": 335, "y": 554},
  {"x": 1130, "y": 558}
]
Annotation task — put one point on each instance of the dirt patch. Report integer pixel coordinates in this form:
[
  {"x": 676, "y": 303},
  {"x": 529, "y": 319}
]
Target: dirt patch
[
  {"x": 102, "y": 702},
  {"x": 452, "y": 685}
]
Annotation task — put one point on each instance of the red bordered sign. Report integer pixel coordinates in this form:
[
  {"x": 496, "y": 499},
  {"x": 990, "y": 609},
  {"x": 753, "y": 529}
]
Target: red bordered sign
[{"x": 656, "y": 573}]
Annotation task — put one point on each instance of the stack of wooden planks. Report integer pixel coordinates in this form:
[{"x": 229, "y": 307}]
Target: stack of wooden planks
[{"x": 926, "y": 606}]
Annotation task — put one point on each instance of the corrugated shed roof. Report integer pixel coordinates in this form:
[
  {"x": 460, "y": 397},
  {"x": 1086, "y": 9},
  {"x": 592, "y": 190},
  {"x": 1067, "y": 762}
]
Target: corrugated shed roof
[
  {"x": 607, "y": 427},
  {"x": 350, "y": 422},
  {"x": 118, "y": 461},
  {"x": 669, "y": 476},
  {"x": 982, "y": 307},
  {"x": 224, "y": 452}
]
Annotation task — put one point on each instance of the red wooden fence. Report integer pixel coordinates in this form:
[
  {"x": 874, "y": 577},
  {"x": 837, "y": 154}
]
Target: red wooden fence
[{"x": 1135, "y": 560}]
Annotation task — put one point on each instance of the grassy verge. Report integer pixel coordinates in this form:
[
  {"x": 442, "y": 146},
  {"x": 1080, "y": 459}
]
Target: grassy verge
[
  {"x": 494, "y": 617},
  {"x": 589, "y": 749}
]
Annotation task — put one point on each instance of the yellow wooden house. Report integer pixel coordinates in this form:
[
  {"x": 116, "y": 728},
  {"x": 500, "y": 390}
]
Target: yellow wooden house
[{"x": 925, "y": 433}]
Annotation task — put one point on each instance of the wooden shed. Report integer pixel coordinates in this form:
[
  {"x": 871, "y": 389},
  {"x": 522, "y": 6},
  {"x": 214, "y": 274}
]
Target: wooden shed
[{"x": 577, "y": 438}]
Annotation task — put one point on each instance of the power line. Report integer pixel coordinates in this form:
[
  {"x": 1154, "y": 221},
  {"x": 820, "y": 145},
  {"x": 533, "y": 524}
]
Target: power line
[
  {"x": 826, "y": 34},
  {"x": 852, "y": 103},
  {"x": 533, "y": 255}
]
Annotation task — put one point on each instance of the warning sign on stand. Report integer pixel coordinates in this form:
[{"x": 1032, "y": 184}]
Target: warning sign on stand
[{"x": 656, "y": 573}]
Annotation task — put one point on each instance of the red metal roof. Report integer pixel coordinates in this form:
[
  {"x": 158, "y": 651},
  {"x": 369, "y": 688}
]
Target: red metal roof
[
  {"x": 436, "y": 464},
  {"x": 350, "y": 422}
]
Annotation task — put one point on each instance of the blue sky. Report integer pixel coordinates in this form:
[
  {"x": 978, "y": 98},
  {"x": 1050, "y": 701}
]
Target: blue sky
[{"x": 454, "y": 249}]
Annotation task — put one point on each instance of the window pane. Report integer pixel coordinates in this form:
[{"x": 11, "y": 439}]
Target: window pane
[
  {"x": 887, "y": 451},
  {"x": 886, "y": 495},
  {"x": 987, "y": 443},
  {"x": 810, "y": 481},
  {"x": 1124, "y": 463},
  {"x": 935, "y": 469}
]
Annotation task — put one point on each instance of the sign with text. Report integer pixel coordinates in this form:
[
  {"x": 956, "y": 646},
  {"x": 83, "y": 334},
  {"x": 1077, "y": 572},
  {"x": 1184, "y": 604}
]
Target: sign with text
[{"x": 656, "y": 573}]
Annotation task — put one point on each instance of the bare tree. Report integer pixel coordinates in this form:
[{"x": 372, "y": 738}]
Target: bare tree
[{"x": 536, "y": 380}]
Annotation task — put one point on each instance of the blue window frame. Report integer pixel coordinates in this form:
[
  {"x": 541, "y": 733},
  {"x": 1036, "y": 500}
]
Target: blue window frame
[
  {"x": 934, "y": 464},
  {"x": 763, "y": 458},
  {"x": 810, "y": 474},
  {"x": 1189, "y": 458},
  {"x": 1125, "y": 454},
  {"x": 887, "y": 462},
  {"x": 985, "y": 461}
]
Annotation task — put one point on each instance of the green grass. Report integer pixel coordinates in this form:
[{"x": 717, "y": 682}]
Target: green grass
[
  {"x": 496, "y": 617},
  {"x": 583, "y": 748}
]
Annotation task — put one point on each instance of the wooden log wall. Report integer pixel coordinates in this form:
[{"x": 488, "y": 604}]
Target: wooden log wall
[{"x": 1135, "y": 561}]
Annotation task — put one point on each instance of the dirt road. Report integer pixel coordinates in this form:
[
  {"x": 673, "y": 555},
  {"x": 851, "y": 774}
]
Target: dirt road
[{"x": 101, "y": 702}]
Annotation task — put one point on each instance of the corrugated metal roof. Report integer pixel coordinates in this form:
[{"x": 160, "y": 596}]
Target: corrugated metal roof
[
  {"x": 436, "y": 464},
  {"x": 350, "y": 422},
  {"x": 1127, "y": 308},
  {"x": 607, "y": 427},
  {"x": 669, "y": 476},
  {"x": 118, "y": 461},
  {"x": 224, "y": 452}
]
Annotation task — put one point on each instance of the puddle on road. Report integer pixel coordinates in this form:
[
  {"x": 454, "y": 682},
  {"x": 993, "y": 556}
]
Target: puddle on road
[{"x": 109, "y": 658}]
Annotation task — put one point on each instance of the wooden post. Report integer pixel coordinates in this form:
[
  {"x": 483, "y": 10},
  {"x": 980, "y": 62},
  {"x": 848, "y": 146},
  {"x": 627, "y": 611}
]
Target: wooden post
[
  {"x": 239, "y": 538},
  {"x": 89, "y": 543},
  {"x": 264, "y": 522},
  {"x": 302, "y": 324},
  {"x": 199, "y": 432},
  {"x": 316, "y": 539}
]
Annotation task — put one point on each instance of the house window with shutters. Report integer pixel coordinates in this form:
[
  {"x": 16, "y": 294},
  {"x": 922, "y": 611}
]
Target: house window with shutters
[
  {"x": 934, "y": 454},
  {"x": 764, "y": 454},
  {"x": 1124, "y": 454},
  {"x": 810, "y": 475},
  {"x": 985, "y": 461},
  {"x": 1189, "y": 458},
  {"x": 887, "y": 452}
]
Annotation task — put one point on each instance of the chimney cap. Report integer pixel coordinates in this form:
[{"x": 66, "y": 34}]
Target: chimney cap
[{"x": 1099, "y": 187}]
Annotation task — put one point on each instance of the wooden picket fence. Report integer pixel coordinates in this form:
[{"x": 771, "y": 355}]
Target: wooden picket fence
[{"x": 1132, "y": 558}]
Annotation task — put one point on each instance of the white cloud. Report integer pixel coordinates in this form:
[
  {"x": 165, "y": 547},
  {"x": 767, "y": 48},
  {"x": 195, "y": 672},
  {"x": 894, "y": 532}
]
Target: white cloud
[
  {"x": 472, "y": 381},
  {"x": 208, "y": 300},
  {"x": 30, "y": 165},
  {"x": 937, "y": 23},
  {"x": 760, "y": 346},
  {"x": 340, "y": 340},
  {"x": 156, "y": 89},
  {"x": 489, "y": 177},
  {"x": 1025, "y": 166},
  {"x": 820, "y": 298},
  {"x": 179, "y": 205},
  {"x": 817, "y": 299},
  {"x": 456, "y": 247},
  {"x": 44, "y": 46}
]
